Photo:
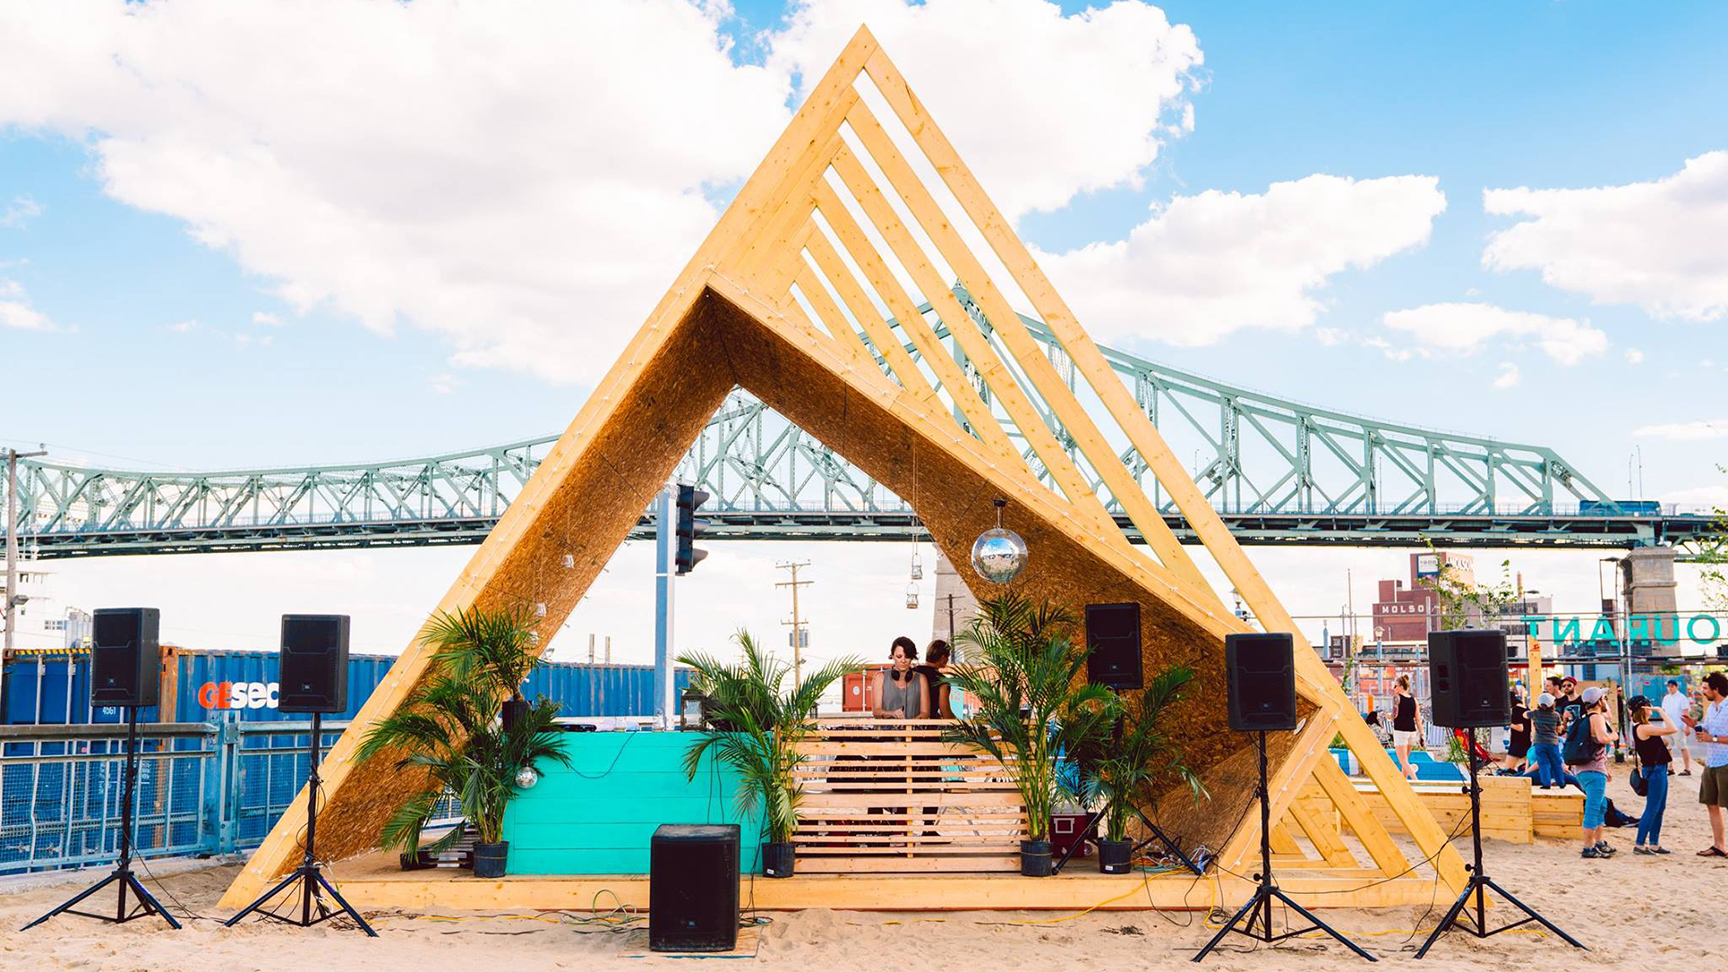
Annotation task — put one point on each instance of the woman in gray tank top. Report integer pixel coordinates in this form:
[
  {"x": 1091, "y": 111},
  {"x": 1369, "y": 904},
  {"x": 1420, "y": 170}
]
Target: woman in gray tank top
[{"x": 900, "y": 691}]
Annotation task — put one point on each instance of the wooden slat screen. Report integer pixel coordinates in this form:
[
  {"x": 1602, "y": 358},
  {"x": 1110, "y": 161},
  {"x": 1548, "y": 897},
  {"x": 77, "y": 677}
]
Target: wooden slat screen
[{"x": 893, "y": 797}]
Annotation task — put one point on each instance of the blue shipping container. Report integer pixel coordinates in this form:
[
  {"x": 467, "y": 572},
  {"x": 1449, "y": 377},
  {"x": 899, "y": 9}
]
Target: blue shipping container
[{"x": 241, "y": 685}]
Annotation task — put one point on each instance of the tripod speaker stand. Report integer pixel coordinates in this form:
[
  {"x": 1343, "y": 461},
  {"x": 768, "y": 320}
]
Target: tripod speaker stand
[
  {"x": 313, "y": 884},
  {"x": 1255, "y": 918},
  {"x": 1479, "y": 883},
  {"x": 122, "y": 874}
]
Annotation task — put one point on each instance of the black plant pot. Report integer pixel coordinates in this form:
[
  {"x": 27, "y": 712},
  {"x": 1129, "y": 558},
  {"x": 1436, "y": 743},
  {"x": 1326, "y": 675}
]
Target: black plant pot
[
  {"x": 779, "y": 860},
  {"x": 489, "y": 859},
  {"x": 1035, "y": 858},
  {"x": 1115, "y": 856},
  {"x": 513, "y": 711}
]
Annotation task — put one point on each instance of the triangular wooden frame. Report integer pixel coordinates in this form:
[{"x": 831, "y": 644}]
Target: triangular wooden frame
[{"x": 785, "y": 297}]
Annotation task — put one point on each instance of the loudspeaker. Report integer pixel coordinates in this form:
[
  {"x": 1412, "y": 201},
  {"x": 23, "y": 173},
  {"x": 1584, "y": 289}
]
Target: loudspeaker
[
  {"x": 1468, "y": 678},
  {"x": 693, "y": 888},
  {"x": 1113, "y": 635},
  {"x": 126, "y": 657},
  {"x": 1262, "y": 677},
  {"x": 314, "y": 669}
]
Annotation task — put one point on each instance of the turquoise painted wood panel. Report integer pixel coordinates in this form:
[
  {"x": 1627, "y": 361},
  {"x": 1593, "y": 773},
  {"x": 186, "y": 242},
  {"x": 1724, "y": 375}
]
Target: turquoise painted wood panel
[{"x": 598, "y": 816}]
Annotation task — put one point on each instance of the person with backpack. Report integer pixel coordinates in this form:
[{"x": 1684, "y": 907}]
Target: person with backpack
[{"x": 1586, "y": 752}]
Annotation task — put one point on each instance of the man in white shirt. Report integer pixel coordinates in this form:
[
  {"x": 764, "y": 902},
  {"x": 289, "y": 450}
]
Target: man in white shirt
[
  {"x": 1712, "y": 730},
  {"x": 1674, "y": 706}
]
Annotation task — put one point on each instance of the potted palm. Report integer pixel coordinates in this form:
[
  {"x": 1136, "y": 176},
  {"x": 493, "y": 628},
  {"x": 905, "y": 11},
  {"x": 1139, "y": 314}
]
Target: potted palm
[
  {"x": 451, "y": 728},
  {"x": 1031, "y": 703},
  {"x": 1119, "y": 771},
  {"x": 756, "y": 723}
]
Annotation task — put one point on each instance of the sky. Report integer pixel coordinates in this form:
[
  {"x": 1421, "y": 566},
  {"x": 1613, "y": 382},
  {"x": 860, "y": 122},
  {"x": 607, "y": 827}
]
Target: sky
[{"x": 238, "y": 234}]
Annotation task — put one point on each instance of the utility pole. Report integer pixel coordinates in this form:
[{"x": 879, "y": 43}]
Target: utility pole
[
  {"x": 797, "y": 622},
  {"x": 13, "y": 598}
]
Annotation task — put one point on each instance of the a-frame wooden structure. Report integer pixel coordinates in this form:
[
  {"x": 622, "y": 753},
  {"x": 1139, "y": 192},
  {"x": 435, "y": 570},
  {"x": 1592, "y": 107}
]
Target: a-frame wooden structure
[{"x": 787, "y": 297}]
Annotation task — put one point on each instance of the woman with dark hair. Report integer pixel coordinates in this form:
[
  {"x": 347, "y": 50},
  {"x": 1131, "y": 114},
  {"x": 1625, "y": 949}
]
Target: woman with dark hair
[
  {"x": 1653, "y": 760},
  {"x": 900, "y": 691},
  {"x": 1518, "y": 744},
  {"x": 936, "y": 656}
]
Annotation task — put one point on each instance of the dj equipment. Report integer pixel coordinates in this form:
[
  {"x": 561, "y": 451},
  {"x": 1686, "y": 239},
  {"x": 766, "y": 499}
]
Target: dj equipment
[
  {"x": 125, "y": 657},
  {"x": 313, "y": 883},
  {"x": 1262, "y": 681},
  {"x": 1113, "y": 640},
  {"x": 1479, "y": 883},
  {"x": 1468, "y": 677},
  {"x": 314, "y": 669},
  {"x": 693, "y": 888}
]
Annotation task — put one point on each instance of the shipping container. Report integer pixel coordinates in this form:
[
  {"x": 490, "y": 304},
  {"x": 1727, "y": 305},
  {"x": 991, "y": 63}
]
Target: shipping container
[{"x": 219, "y": 686}]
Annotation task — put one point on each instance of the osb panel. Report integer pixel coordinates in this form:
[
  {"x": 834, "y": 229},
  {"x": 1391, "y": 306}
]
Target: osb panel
[
  {"x": 955, "y": 503},
  {"x": 588, "y": 515}
]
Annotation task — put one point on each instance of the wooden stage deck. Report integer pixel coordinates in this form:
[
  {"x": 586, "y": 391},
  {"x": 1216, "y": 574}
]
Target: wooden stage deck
[{"x": 374, "y": 882}]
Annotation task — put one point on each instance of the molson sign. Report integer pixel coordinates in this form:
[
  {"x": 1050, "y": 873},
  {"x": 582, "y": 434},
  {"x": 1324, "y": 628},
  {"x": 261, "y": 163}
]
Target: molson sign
[
  {"x": 1654, "y": 629},
  {"x": 238, "y": 695}
]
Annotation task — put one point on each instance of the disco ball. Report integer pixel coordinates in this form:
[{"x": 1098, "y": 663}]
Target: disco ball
[
  {"x": 526, "y": 777},
  {"x": 999, "y": 555}
]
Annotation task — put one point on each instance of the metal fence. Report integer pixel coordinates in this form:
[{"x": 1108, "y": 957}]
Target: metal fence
[{"x": 203, "y": 789}]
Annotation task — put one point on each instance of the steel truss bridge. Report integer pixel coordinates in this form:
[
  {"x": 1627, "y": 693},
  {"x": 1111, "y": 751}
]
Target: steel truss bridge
[{"x": 1278, "y": 471}]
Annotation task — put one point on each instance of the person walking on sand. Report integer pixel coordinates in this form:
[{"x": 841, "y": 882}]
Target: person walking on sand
[
  {"x": 1675, "y": 705},
  {"x": 1406, "y": 725},
  {"x": 1712, "y": 731},
  {"x": 1587, "y": 752},
  {"x": 1649, "y": 741}
]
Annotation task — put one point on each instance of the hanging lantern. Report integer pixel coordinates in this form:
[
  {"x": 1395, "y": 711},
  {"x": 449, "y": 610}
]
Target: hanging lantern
[
  {"x": 999, "y": 555},
  {"x": 917, "y": 565},
  {"x": 526, "y": 778},
  {"x": 539, "y": 609},
  {"x": 911, "y": 596}
]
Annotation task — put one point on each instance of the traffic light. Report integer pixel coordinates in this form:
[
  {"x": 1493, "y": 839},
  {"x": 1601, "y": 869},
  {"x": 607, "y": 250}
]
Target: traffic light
[{"x": 688, "y": 528}]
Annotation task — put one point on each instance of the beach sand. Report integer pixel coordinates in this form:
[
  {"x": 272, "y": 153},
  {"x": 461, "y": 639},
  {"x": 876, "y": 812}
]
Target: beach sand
[{"x": 1632, "y": 910}]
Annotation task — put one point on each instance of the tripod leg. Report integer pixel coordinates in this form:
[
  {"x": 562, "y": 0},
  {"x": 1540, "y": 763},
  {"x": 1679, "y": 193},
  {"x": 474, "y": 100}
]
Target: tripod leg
[
  {"x": 1317, "y": 923},
  {"x": 67, "y": 906},
  {"x": 149, "y": 900},
  {"x": 1228, "y": 926},
  {"x": 259, "y": 903},
  {"x": 337, "y": 895},
  {"x": 1450, "y": 919},
  {"x": 1545, "y": 923}
]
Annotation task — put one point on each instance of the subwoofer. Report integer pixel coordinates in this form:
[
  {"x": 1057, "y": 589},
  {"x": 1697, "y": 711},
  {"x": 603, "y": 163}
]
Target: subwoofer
[
  {"x": 125, "y": 656},
  {"x": 693, "y": 888},
  {"x": 1262, "y": 679},
  {"x": 314, "y": 663},
  {"x": 1113, "y": 638},
  {"x": 1468, "y": 679}
]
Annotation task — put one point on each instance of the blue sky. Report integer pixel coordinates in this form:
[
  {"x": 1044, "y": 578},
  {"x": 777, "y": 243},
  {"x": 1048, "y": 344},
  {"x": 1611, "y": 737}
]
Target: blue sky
[{"x": 156, "y": 360}]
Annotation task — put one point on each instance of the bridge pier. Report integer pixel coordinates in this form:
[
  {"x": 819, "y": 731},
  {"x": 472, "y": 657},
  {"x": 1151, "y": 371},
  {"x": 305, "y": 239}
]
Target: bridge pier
[{"x": 1647, "y": 581}]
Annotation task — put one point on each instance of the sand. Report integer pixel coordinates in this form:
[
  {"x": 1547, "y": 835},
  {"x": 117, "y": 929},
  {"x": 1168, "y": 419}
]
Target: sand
[{"x": 1652, "y": 912}]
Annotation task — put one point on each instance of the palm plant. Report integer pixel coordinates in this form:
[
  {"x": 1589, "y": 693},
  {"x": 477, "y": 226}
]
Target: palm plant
[
  {"x": 1119, "y": 770},
  {"x": 449, "y": 728},
  {"x": 759, "y": 720},
  {"x": 1031, "y": 700}
]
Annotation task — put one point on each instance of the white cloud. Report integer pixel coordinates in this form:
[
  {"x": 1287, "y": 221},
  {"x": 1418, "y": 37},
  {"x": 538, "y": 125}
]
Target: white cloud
[
  {"x": 1508, "y": 376},
  {"x": 1713, "y": 497},
  {"x": 1634, "y": 356},
  {"x": 1463, "y": 328},
  {"x": 266, "y": 319},
  {"x": 16, "y": 311},
  {"x": 524, "y": 179},
  {"x": 1041, "y": 105},
  {"x": 443, "y": 384},
  {"x": 1206, "y": 265},
  {"x": 22, "y": 209},
  {"x": 1661, "y": 245},
  {"x": 1694, "y": 431},
  {"x": 1331, "y": 336}
]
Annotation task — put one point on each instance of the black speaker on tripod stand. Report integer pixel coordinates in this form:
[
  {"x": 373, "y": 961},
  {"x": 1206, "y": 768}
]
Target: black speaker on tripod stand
[
  {"x": 314, "y": 680},
  {"x": 1262, "y": 677},
  {"x": 1469, "y": 678},
  {"x": 125, "y": 671}
]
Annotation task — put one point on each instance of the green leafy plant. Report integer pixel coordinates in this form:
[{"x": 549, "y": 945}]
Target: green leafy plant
[
  {"x": 1120, "y": 772},
  {"x": 758, "y": 721},
  {"x": 1031, "y": 701},
  {"x": 449, "y": 727},
  {"x": 1463, "y": 601},
  {"x": 1712, "y": 559}
]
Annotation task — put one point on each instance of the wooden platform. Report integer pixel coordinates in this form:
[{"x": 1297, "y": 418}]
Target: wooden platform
[
  {"x": 1512, "y": 808},
  {"x": 375, "y": 882}
]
